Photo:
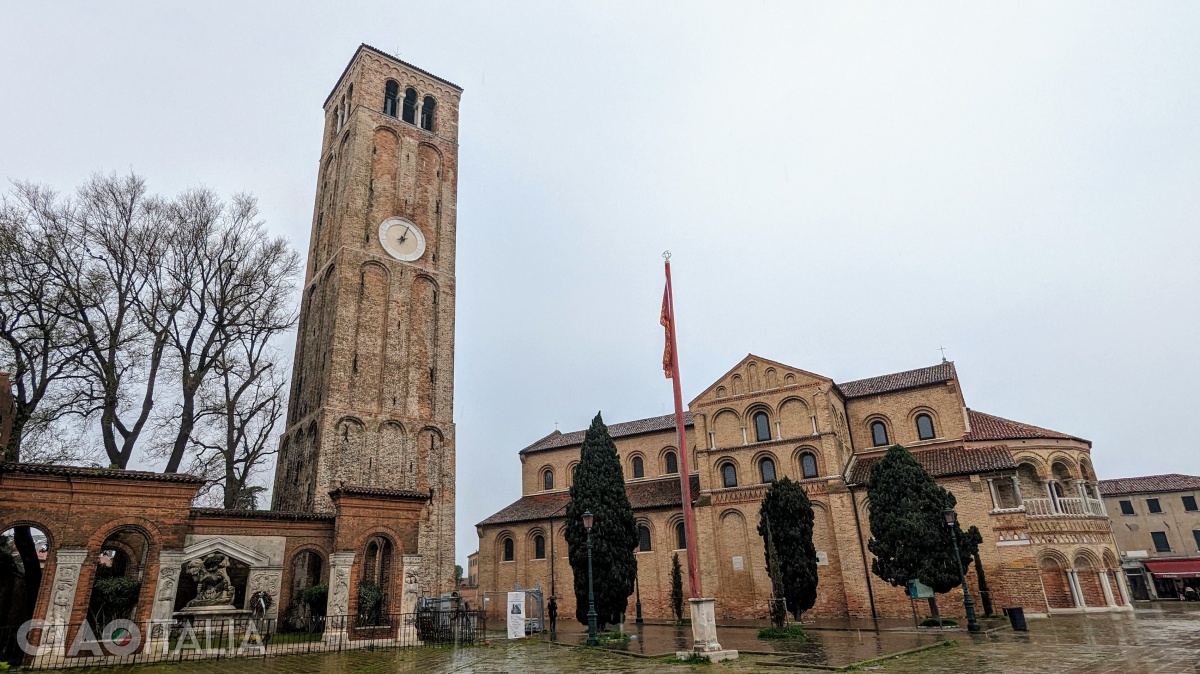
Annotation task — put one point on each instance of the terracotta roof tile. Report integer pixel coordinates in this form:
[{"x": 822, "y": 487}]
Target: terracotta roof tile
[
  {"x": 945, "y": 462},
  {"x": 109, "y": 473},
  {"x": 261, "y": 514},
  {"x": 657, "y": 493},
  {"x": 989, "y": 427},
  {"x": 619, "y": 430},
  {"x": 1149, "y": 484},
  {"x": 353, "y": 490},
  {"x": 925, "y": 376}
]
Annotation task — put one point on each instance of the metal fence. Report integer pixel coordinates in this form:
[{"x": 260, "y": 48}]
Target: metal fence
[{"x": 124, "y": 642}]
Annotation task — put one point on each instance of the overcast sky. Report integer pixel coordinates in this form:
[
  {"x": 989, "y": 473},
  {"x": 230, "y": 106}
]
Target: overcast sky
[{"x": 845, "y": 188}]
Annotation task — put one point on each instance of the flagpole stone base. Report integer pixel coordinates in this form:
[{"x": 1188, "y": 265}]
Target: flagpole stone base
[{"x": 704, "y": 633}]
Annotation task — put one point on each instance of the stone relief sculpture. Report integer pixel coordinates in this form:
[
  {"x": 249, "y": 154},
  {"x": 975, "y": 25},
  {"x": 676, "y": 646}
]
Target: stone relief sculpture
[
  {"x": 166, "y": 583},
  {"x": 212, "y": 581},
  {"x": 339, "y": 595}
]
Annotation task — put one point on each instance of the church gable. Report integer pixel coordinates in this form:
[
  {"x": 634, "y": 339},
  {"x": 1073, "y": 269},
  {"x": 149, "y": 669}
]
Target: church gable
[{"x": 754, "y": 374}]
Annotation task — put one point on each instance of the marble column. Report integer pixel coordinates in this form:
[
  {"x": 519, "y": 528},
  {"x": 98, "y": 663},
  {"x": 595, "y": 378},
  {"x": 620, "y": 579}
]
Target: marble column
[
  {"x": 1017, "y": 489},
  {"x": 169, "y": 564},
  {"x": 1123, "y": 586},
  {"x": 1076, "y": 588},
  {"x": 67, "y": 564},
  {"x": 340, "y": 565},
  {"x": 409, "y": 592},
  {"x": 704, "y": 633},
  {"x": 1104, "y": 585}
]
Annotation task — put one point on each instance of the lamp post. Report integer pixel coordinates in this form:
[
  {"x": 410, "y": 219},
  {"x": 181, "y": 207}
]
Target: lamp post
[
  {"x": 637, "y": 588},
  {"x": 591, "y": 640},
  {"x": 969, "y": 604}
]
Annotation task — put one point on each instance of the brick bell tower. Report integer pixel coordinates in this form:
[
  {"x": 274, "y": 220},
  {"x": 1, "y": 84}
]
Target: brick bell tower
[{"x": 372, "y": 391}]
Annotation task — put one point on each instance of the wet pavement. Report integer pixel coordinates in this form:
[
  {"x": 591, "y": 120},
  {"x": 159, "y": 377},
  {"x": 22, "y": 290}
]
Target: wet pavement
[
  {"x": 1160, "y": 639},
  {"x": 833, "y": 647}
]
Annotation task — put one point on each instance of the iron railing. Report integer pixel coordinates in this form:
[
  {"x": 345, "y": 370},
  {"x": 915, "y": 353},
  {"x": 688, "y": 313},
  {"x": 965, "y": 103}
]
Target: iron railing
[{"x": 36, "y": 645}]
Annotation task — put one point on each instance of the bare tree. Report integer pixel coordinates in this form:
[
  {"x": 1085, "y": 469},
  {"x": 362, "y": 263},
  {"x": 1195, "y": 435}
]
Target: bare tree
[
  {"x": 239, "y": 409},
  {"x": 40, "y": 345},
  {"x": 105, "y": 254},
  {"x": 234, "y": 282},
  {"x": 111, "y": 296}
]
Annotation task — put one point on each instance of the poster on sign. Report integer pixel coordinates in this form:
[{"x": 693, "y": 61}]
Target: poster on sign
[{"x": 516, "y": 615}]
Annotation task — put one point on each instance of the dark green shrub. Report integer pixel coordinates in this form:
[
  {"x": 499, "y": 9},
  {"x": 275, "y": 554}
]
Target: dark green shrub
[{"x": 791, "y": 632}]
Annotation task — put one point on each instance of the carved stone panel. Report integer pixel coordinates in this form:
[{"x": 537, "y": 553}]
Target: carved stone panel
[{"x": 62, "y": 600}]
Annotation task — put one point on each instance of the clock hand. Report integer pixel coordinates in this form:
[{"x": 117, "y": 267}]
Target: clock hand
[{"x": 404, "y": 235}]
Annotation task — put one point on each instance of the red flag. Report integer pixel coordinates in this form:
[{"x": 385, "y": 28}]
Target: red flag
[{"x": 665, "y": 319}]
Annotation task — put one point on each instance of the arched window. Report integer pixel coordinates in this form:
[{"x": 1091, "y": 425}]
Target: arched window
[
  {"x": 391, "y": 94},
  {"x": 644, "y": 538},
  {"x": 508, "y": 550},
  {"x": 672, "y": 463},
  {"x": 729, "y": 475},
  {"x": 539, "y": 547},
  {"x": 808, "y": 465},
  {"x": 925, "y": 427},
  {"x": 409, "y": 113},
  {"x": 762, "y": 427},
  {"x": 571, "y": 473},
  {"x": 680, "y": 537},
  {"x": 766, "y": 468},
  {"x": 548, "y": 479},
  {"x": 878, "y": 434},
  {"x": 349, "y": 100},
  {"x": 377, "y": 562},
  {"x": 639, "y": 468},
  {"x": 427, "y": 108}
]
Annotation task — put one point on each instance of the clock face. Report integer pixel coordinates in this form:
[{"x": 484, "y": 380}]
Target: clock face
[{"x": 401, "y": 239}]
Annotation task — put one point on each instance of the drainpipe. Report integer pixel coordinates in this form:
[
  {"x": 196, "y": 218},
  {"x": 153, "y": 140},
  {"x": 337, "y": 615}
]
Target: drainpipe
[{"x": 862, "y": 548}]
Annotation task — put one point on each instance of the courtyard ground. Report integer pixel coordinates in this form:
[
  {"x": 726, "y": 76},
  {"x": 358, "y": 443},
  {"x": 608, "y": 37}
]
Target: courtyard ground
[{"x": 1162, "y": 638}]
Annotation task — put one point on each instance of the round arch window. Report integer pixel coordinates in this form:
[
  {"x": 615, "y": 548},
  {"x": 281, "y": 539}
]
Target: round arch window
[
  {"x": 925, "y": 427},
  {"x": 879, "y": 434},
  {"x": 762, "y": 427},
  {"x": 766, "y": 469},
  {"x": 729, "y": 475},
  {"x": 808, "y": 465}
]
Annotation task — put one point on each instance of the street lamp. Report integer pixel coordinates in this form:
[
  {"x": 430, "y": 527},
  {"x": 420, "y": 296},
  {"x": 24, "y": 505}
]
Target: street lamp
[
  {"x": 951, "y": 518},
  {"x": 591, "y": 640},
  {"x": 637, "y": 588}
]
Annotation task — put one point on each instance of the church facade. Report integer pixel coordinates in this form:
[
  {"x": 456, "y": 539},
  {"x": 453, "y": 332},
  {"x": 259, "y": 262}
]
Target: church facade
[{"x": 1031, "y": 492}]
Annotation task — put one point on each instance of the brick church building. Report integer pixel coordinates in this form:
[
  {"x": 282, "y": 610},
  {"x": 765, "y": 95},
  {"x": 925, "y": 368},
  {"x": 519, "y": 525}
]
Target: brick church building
[{"x": 1030, "y": 491}]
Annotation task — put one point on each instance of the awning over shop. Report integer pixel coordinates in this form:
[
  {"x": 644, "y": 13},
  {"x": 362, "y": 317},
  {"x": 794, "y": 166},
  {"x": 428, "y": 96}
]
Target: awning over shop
[{"x": 1174, "y": 568}]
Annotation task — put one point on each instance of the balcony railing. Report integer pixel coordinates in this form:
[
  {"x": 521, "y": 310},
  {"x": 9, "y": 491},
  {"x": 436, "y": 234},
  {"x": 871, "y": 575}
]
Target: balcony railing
[{"x": 1063, "y": 507}]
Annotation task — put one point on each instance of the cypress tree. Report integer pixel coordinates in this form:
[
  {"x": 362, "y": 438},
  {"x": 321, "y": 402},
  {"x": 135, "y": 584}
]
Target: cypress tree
[
  {"x": 778, "y": 603},
  {"x": 785, "y": 519},
  {"x": 676, "y": 588},
  {"x": 970, "y": 552},
  {"x": 909, "y": 536},
  {"x": 599, "y": 486}
]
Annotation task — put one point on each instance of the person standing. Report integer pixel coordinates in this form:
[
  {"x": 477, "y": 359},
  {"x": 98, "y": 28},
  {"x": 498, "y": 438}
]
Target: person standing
[{"x": 552, "y": 610}]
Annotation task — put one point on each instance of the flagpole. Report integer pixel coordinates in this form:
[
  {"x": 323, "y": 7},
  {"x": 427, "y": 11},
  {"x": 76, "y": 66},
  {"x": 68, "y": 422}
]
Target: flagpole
[{"x": 685, "y": 479}]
